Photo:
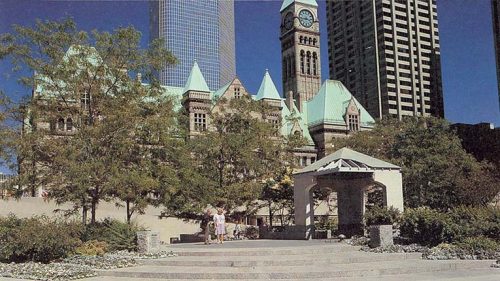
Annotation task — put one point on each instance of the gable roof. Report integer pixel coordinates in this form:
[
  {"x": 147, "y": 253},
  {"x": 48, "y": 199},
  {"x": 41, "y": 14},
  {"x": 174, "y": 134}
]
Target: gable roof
[
  {"x": 287, "y": 3},
  {"x": 329, "y": 106},
  {"x": 267, "y": 89},
  {"x": 196, "y": 81},
  {"x": 217, "y": 94},
  {"x": 349, "y": 158},
  {"x": 288, "y": 125}
]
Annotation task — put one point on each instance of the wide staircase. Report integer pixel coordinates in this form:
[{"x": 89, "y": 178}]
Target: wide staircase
[{"x": 297, "y": 260}]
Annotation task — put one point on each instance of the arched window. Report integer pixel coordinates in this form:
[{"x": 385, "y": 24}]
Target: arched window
[
  {"x": 302, "y": 62},
  {"x": 284, "y": 69},
  {"x": 308, "y": 62},
  {"x": 293, "y": 66},
  {"x": 314, "y": 42},
  {"x": 85, "y": 100},
  {"x": 69, "y": 124},
  {"x": 60, "y": 124},
  {"x": 315, "y": 60},
  {"x": 300, "y": 39},
  {"x": 310, "y": 40}
]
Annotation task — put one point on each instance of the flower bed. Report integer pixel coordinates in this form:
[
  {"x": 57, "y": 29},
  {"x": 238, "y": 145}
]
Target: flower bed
[{"x": 76, "y": 267}]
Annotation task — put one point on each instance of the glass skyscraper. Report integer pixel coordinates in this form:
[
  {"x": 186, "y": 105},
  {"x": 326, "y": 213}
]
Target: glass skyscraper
[{"x": 201, "y": 30}]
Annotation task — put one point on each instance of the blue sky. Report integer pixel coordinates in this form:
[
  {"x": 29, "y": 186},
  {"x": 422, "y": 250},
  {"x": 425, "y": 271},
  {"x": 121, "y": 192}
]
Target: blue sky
[{"x": 467, "y": 54}]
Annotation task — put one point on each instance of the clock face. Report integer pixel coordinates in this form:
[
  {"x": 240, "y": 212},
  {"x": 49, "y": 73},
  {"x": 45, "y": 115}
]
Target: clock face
[
  {"x": 288, "y": 22},
  {"x": 306, "y": 18}
]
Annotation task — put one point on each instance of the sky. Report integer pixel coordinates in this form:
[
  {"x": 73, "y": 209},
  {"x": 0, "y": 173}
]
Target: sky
[{"x": 465, "y": 28}]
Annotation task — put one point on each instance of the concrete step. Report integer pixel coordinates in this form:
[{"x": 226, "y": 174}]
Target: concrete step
[
  {"x": 294, "y": 260},
  {"x": 372, "y": 269},
  {"x": 219, "y": 250}
]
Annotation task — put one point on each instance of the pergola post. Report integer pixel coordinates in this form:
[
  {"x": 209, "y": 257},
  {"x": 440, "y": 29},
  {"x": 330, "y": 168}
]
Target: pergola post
[
  {"x": 393, "y": 182},
  {"x": 351, "y": 206},
  {"x": 304, "y": 204}
]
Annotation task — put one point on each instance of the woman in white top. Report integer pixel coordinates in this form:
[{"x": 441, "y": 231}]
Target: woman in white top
[{"x": 220, "y": 227}]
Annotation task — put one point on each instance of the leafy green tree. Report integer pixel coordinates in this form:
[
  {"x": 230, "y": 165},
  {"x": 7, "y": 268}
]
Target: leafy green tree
[
  {"x": 83, "y": 135},
  {"x": 277, "y": 195},
  {"x": 239, "y": 151},
  {"x": 437, "y": 172}
]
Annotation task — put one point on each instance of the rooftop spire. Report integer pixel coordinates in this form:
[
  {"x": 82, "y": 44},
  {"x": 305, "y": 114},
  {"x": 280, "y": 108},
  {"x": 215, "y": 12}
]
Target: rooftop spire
[
  {"x": 196, "y": 81},
  {"x": 267, "y": 89},
  {"x": 287, "y": 3}
]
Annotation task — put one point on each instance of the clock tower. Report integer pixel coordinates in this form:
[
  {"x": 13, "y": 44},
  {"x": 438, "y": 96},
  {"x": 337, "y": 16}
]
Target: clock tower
[{"x": 300, "y": 56}]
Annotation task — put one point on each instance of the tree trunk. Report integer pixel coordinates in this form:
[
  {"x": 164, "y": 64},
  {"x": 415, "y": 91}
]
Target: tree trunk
[
  {"x": 270, "y": 214},
  {"x": 93, "y": 208},
  {"x": 84, "y": 214},
  {"x": 129, "y": 211}
]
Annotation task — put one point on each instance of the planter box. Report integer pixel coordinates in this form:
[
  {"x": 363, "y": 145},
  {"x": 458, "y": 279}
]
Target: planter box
[
  {"x": 148, "y": 241},
  {"x": 381, "y": 236}
]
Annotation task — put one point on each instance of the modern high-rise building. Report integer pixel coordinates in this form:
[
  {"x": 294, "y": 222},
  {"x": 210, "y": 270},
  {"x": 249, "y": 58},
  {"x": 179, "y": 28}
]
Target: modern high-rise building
[
  {"x": 386, "y": 52},
  {"x": 495, "y": 13},
  {"x": 201, "y": 30}
]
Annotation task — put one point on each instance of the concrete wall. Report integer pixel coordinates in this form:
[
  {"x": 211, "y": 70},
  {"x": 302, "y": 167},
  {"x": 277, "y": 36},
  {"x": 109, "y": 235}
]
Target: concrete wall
[{"x": 167, "y": 227}]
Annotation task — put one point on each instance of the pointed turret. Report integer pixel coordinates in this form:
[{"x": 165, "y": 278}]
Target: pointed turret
[
  {"x": 287, "y": 3},
  {"x": 267, "y": 89},
  {"x": 196, "y": 81}
]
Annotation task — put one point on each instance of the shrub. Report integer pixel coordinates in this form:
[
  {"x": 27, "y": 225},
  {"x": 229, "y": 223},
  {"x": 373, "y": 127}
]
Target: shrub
[
  {"x": 37, "y": 239},
  {"x": 92, "y": 248},
  {"x": 252, "y": 232},
  {"x": 381, "y": 215},
  {"x": 118, "y": 235},
  {"x": 476, "y": 221},
  {"x": 327, "y": 224},
  {"x": 479, "y": 244},
  {"x": 426, "y": 226}
]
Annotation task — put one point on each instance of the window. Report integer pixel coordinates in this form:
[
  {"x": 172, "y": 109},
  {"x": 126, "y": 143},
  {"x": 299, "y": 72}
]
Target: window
[
  {"x": 69, "y": 124},
  {"x": 315, "y": 58},
  {"x": 308, "y": 63},
  {"x": 302, "y": 62},
  {"x": 60, "y": 124},
  {"x": 237, "y": 93},
  {"x": 353, "y": 122},
  {"x": 85, "y": 100},
  {"x": 200, "y": 122}
]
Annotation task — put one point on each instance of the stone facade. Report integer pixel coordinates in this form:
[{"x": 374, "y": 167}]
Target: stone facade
[{"x": 300, "y": 50}]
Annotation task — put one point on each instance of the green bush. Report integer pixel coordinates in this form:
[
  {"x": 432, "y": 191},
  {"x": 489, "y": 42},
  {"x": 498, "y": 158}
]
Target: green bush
[
  {"x": 378, "y": 215},
  {"x": 327, "y": 224},
  {"x": 431, "y": 227},
  {"x": 476, "y": 221},
  {"x": 118, "y": 235},
  {"x": 92, "y": 248},
  {"x": 426, "y": 226},
  {"x": 252, "y": 232},
  {"x": 38, "y": 239},
  {"x": 479, "y": 244}
]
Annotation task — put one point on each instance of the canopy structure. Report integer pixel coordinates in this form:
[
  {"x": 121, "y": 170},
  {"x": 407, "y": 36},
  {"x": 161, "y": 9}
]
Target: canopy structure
[{"x": 350, "y": 174}]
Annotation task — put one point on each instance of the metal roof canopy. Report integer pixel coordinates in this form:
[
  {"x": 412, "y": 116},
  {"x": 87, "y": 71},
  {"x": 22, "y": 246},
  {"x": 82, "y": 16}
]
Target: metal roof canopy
[{"x": 347, "y": 160}]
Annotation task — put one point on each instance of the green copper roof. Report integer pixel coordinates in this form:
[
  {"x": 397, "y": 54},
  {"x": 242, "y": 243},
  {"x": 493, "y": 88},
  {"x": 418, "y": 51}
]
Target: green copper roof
[
  {"x": 288, "y": 125},
  {"x": 287, "y": 3},
  {"x": 267, "y": 89},
  {"x": 217, "y": 94},
  {"x": 196, "y": 81},
  {"x": 330, "y": 104},
  {"x": 348, "y": 154}
]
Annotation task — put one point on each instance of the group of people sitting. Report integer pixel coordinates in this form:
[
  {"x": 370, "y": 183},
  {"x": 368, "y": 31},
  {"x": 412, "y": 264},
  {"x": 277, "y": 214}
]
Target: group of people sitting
[{"x": 219, "y": 222}]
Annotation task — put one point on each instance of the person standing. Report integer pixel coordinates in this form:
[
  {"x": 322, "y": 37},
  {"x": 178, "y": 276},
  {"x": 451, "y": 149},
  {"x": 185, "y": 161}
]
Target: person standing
[
  {"x": 220, "y": 225},
  {"x": 205, "y": 225}
]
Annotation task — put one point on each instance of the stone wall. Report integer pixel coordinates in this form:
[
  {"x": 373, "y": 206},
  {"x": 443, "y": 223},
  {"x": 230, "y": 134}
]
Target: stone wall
[{"x": 167, "y": 227}]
